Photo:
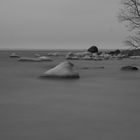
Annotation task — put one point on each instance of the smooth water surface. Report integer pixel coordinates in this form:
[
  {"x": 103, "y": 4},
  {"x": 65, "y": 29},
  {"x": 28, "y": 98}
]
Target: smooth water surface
[{"x": 104, "y": 104}]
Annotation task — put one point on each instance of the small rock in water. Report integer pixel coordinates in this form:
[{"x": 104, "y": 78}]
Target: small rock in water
[
  {"x": 85, "y": 68},
  {"x": 29, "y": 59},
  {"x": 37, "y": 55},
  {"x": 86, "y": 57},
  {"x": 134, "y": 57},
  {"x": 129, "y": 68},
  {"x": 45, "y": 58}
]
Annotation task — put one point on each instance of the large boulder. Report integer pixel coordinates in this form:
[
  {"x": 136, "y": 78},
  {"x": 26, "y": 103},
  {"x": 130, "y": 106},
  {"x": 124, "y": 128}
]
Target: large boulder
[
  {"x": 129, "y": 68},
  {"x": 63, "y": 70},
  {"x": 93, "y": 49}
]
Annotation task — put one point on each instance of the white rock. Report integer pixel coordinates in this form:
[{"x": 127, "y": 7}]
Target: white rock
[
  {"x": 63, "y": 70},
  {"x": 134, "y": 57},
  {"x": 29, "y": 59},
  {"x": 45, "y": 58},
  {"x": 72, "y": 58},
  {"x": 87, "y": 57}
]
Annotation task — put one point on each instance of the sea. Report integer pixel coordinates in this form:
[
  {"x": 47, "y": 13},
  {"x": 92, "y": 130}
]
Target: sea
[{"x": 103, "y": 104}]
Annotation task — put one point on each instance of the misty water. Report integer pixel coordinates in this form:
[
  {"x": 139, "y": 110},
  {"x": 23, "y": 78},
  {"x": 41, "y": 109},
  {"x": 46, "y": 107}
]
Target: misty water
[{"x": 104, "y": 104}]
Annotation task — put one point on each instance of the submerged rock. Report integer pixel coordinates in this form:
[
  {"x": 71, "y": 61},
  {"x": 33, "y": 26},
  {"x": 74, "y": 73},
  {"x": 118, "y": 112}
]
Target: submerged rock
[
  {"x": 63, "y": 70},
  {"x": 29, "y": 59},
  {"x": 129, "y": 68}
]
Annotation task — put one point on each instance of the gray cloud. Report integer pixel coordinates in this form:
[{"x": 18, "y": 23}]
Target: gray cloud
[{"x": 60, "y": 23}]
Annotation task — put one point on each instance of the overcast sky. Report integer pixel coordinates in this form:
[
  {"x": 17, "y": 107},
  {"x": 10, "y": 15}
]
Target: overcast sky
[{"x": 60, "y": 24}]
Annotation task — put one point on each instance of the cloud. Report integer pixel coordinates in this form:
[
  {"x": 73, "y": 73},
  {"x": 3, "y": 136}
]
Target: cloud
[{"x": 59, "y": 22}]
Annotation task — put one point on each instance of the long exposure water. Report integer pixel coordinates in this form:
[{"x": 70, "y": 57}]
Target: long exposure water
[{"x": 104, "y": 104}]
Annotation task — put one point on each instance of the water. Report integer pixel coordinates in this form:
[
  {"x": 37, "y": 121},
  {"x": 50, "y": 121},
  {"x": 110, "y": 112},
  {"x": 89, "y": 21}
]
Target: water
[{"x": 104, "y": 104}]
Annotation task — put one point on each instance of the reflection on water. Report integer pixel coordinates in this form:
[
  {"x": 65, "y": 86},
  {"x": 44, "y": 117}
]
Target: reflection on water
[{"x": 102, "y": 104}]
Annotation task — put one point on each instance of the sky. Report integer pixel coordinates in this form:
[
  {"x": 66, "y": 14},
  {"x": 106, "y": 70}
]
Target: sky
[{"x": 60, "y": 24}]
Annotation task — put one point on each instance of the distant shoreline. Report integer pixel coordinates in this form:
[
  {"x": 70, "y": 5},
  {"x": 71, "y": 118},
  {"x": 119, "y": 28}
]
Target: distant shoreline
[
  {"x": 128, "y": 52},
  {"x": 60, "y": 50}
]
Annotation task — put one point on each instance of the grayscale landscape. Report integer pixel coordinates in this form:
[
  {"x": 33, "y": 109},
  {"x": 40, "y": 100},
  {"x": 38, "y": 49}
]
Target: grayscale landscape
[{"x": 69, "y": 70}]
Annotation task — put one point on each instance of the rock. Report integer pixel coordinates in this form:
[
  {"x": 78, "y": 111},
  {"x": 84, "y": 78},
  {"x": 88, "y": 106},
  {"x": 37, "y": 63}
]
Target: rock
[
  {"x": 14, "y": 55},
  {"x": 36, "y": 59},
  {"x": 117, "y": 57},
  {"x": 45, "y": 58},
  {"x": 99, "y": 53},
  {"x": 93, "y": 49},
  {"x": 129, "y": 68},
  {"x": 69, "y": 55},
  {"x": 82, "y": 54},
  {"x": 85, "y": 68},
  {"x": 63, "y": 70},
  {"x": 86, "y": 57},
  {"x": 135, "y": 57},
  {"x": 29, "y": 59},
  {"x": 55, "y": 54},
  {"x": 96, "y": 58},
  {"x": 50, "y": 54},
  {"x": 131, "y": 52},
  {"x": 37, "y": 55},
  {"x": 86, "y": 53},
  {"x": 72, "y": 58},
  {"x": 116, "y": 52},
  {"x": 77, "y": 55},
  {"x": 104, "y": 56}
]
